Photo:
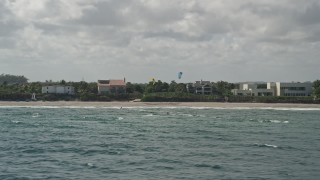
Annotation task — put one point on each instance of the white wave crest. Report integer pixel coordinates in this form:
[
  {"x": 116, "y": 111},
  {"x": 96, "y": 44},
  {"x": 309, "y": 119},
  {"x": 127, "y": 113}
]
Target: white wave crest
[
  {"x": 16, "y": 122},
  {"x": 275, "y": 121},
  {"x": 270, "y": 145},
  {"x": 266, "y": 145},
  {"x": 168, "y": 107}
]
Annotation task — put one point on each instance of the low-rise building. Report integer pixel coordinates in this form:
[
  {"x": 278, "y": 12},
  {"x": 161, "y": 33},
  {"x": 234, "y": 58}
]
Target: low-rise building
[
  {"x": 111, "y": 86},
  {"x": 253, "y": 89},
  {"x": 291, "y": 88},
  {"x": 274, "y": 89},
  {"x": 241, "y": 92},
  {"x": 58, "y": 89},
  {"x": 200, "y": 87}
]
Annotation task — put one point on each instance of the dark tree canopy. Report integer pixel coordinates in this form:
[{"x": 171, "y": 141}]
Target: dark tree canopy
[
  {"x": 8, "y": 79},
  {"x": 316, "y": 88}
]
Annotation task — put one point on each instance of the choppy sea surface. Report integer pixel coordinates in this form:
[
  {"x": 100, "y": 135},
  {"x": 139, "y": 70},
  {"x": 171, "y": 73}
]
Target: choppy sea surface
[{"x": 159, "y": 143}]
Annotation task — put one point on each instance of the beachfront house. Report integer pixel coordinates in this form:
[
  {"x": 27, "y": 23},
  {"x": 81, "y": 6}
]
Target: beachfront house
[
  {"x": 58, "y": 89},
  {"x": 112, "y": 86},
  {"x": 200, "y": 87},
  {"x": 291, "y": 88},
  {"x": 253, "y": 89},
  {"x": 274, "y": 89}
]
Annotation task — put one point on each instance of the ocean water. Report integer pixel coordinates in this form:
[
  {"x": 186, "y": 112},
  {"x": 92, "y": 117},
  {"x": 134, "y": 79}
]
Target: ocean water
[{"x": 159, "y": 143}]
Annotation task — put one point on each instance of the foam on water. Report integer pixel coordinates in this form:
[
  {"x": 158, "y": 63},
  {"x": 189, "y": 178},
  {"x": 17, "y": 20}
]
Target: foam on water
[
  {"x": 275, "y": 121},
  {"x": 266, "y": 145},
  {"x": 149, "y": 115},
  {"x": 90, "y": 165},
  {"x": 188, "y": 115},
  {"x": 16, "y": 122},
  {"x": 34, "y": 115},
  {"x": 166, "y": 107},
  {"x": 270, "y": 145}
]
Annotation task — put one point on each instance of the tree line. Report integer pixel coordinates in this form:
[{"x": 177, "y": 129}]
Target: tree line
[{"x": 18, "y": 88}]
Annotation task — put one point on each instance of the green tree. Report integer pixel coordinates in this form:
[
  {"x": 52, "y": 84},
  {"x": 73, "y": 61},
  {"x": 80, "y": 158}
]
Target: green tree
[
  {"x": 316, "y": 88},
  {"x": 224, "y": 88},
  {"x": 83, "y": 87},
  {"x": 129, "y": 87},
  {"x": 138, "y": 88},
  {"x": 180, "y": 88},
  {"x": 12, "y": 79},
  {"x": 172, "y": 86},
  {"x": 165, "y": 87},
  {"x": 158, "y": 86},
  {"x": 93, "y": 87},
  {"x": 63, "y": 82}
]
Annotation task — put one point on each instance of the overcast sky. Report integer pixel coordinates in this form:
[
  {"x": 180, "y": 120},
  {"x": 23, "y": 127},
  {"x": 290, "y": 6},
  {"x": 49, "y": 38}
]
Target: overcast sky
[{"x": 230, "y": 40}]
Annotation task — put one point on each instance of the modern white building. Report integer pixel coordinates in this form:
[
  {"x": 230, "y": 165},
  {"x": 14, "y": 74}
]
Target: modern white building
[
  {"x": 57, "y": 89},
  {"x": 251, "y": 89},
  {"x": 241, "y": 92},
  {"x": 247, "y": 86},
  {"x": 274, "y": 89},
  {"x": 291, "y": 88}
]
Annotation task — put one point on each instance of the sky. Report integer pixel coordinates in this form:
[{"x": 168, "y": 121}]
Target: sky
[{"x": 229, "y": 40}]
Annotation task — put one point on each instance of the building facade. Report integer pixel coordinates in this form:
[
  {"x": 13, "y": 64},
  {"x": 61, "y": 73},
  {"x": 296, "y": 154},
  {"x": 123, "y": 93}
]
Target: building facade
[
  {"x": 252, "y": 89},
  {"x": 291, "y": 88},
  {"x": 274, "y": 89},
  {"x": 57, "y": 89},
  {"x": 200, "y": 87},
  {"x": 111, "y": 86}
]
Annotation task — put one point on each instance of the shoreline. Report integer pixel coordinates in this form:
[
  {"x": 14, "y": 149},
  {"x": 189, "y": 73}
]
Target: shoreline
[{"x": 155, "y": 104}]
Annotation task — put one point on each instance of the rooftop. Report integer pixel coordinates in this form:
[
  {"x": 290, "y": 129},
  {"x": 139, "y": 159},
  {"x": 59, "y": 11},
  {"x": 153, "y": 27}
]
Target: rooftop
[{"x": 112, "y": 82}]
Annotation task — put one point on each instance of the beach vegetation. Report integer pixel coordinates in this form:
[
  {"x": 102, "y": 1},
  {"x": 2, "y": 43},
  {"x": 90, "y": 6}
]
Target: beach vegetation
[
  {"x": 16, "y": 88},
  {"x": 316, "y": 89},
  {"x": 223, "y": 88},
  {"x": 7, "y": 79}
]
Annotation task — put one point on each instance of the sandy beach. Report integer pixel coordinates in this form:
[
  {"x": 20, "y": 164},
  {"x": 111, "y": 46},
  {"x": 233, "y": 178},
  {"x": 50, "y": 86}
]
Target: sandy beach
[{"x": 156, "y": 104}]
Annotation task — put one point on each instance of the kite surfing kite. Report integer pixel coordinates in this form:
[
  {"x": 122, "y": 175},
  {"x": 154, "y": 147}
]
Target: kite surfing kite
[
  {"x": 180, "y": 75},
  {"x": 153, "y": 80}
]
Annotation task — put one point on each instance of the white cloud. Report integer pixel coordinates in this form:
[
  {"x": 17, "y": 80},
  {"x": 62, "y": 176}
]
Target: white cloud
[{"x": 205, "y": 38}]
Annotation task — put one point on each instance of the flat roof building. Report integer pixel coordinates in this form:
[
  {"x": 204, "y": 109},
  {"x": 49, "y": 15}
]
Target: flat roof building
[
  {"x": 57, "y": 89},
  {"x": 274, "y": 89},
  {"x": 251, "y": 89},
  {"x": 291, "y": 88}
]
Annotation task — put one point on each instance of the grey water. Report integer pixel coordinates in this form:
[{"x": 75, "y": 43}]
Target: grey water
[{"x": 159, "y": 143}]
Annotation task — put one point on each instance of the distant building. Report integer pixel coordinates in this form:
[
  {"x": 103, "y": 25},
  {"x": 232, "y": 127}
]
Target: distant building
[
  {"x": 241, "y": 92},
  {"x": 200, "y": 87},
  {"x": 111, "y": 86},
  {"x": 253, "y": 89},
  {"x": 274, "y": 89},
  {"x": 291, "y": 88},
  {"x": 57, "y": 89}
]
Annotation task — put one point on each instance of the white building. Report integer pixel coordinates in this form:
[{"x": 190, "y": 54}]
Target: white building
[
  {"x": 274, "y": 89},
  {"x": 291, "y": 89},
  {"x": 247, "y": 86},
  {"x": 251, "y": 89},
  {"x": 57, "y": 89},
  {"x": 241, "y": 92}
]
